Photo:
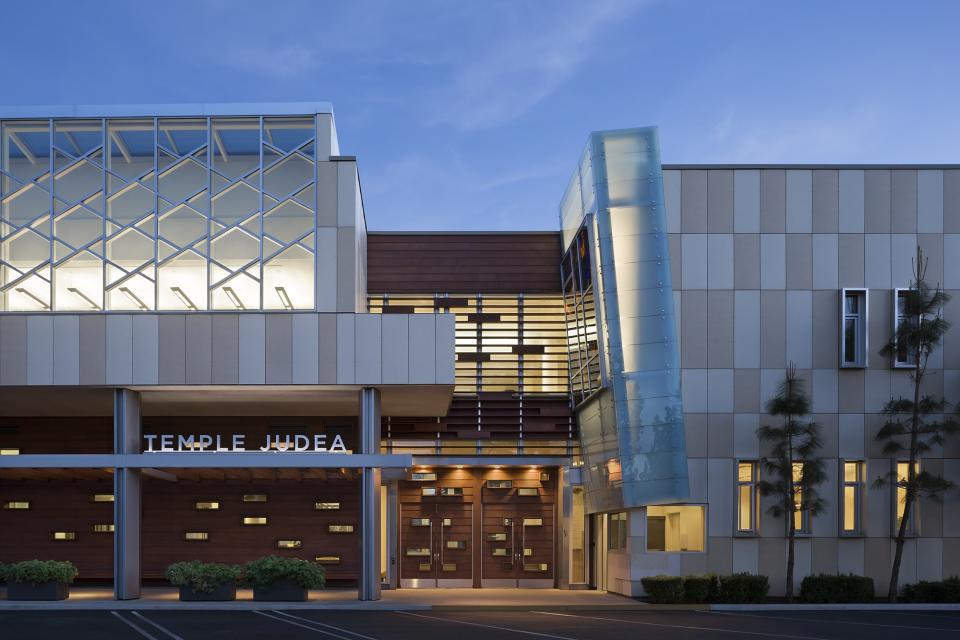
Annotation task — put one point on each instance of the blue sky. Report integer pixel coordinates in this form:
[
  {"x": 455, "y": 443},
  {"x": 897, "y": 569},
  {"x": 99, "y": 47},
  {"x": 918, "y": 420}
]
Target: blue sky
[{"x": 471, "y": 115}]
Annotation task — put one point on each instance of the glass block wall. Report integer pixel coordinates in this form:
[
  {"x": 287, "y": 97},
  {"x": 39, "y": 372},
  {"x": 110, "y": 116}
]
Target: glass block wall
[{"x": 142, "y": 214}]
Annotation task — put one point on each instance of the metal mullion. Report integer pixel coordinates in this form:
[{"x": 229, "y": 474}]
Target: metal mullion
[
  {"x": 209, "y": 250},
  {"x": 53, "y": 234},
  {"x": 156, "y": 213},
  {"x": 107, "y": 160},
  {"x": 316, "y": 220},
  {"x": 260, "y": 246}
]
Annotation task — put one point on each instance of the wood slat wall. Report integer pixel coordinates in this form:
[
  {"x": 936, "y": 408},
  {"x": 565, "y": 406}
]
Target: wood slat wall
[{"x": 458, "y": 262}]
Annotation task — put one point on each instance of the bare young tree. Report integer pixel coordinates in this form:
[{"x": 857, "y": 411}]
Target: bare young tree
[
  {"x": 914, "y": 426},
  {"x": 793, "y": 466}
]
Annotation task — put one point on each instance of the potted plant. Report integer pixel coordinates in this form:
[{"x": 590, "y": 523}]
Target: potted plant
[
  {"x": 39, "y": 580},
  {"x": 283, "y": 579},
  {"x": 204, "y": 581}
]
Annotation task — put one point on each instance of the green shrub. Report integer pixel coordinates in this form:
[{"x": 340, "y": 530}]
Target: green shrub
[
  {"x": 826, "y": 588},
  {"x": 202, "y": 577},
  {"x": 265, "y": 571},
  {"x": 3, "y": 573},
  {"x": 663, "y": 589},
  {"x": 40, "y": 571},
  {"x": 743, "y": 588},
  {"x": 701, "y": 589},
  {"x": 928, "y": 591}
]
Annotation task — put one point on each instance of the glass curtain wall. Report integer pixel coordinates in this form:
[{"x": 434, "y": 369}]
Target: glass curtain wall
[{"x": 169, "y": 214}]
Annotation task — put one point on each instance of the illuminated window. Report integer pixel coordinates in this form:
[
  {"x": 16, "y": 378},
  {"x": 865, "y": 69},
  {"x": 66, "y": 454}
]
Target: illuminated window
[
  {"x": 676, "y": 528},
  {"x": 327, "y": 559},
  {"x": 853, "y": 328},
  {"x": 206, "y": 506},
  {"x": 902, "y": 359},
  {"x": 103, "y": 528},
  {"x": 340, "y": 528},
  {"x": 254, "y": 497},
  {"x": 326, "y": 506},
  {"x": 499, "y": 484},
  {"x": 64, "y": 535},
  {"x": 196, "y": 536},
  {"x": 17, "y": 505},
  {"x": 255, "y": 520},
  {"x": 852, "y": 497},
  {"x": 102, "y": 497},
  {"x": 746, "y": 497},
  {"x": 901, "y": 497},
  {"x": 289, "y": 544},
  {"x": 528, "y": 491},
  {"x": 451, "y": 491},
  {"x": 617, "y": 533},
  {"x": 9, "y": 452},
  {"x": 801, "y": 517},
  {"x": 423, "y": 477}
]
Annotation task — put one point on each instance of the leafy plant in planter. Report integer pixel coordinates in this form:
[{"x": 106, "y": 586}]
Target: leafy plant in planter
[
  {"x": 39, "y": 580},
  {"x": 282, "y": 579},
  {"x": 204, "y": 580},
  {"x": 663, "y": 589}
]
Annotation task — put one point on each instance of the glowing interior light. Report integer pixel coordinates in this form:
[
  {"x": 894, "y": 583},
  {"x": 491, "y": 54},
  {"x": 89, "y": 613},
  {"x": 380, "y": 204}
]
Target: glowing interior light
[
  {"x": 83, "y": 297},
  {"x": 43, "y": 305},
  {"x": 133, "y": 298},
  {"x": 284, "y": 298},
  {"x": 187, "y": 302},
  {"x": 234, "y": 298}
]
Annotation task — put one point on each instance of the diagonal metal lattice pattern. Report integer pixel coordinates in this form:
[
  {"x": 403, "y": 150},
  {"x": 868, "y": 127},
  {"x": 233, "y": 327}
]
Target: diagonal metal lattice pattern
[{"x": 158, "y": 214}]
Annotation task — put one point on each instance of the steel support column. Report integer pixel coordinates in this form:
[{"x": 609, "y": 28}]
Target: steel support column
[
  {"x": 369, "y": 587},
  {"x": 127, "y": 497}
]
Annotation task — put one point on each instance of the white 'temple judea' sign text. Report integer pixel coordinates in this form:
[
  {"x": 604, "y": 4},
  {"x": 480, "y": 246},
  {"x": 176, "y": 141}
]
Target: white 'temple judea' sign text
[{"x": 236, "y": 443}]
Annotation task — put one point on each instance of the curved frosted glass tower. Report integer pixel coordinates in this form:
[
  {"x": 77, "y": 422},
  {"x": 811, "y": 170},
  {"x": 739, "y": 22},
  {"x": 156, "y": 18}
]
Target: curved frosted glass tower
[{"x": 625, "y": 370}]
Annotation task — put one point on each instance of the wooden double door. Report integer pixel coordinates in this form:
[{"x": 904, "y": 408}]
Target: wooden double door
[
  {"x": 436, "y": 545},
  {"x": 518, "y": 545}
]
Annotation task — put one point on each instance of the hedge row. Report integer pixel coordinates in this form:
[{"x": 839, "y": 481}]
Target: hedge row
[
  {"x": 739, "y": 588},
  {"x": 825, "y": 588},
  {"x": 943, "y": 591}
]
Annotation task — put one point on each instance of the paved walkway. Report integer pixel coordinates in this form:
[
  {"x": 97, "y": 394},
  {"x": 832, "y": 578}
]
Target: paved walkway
[{"x": 160, "y": 598}]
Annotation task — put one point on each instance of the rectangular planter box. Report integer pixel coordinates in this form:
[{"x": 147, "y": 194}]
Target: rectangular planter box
[
  {"x": 223, "y": 593},
  {"x": 280, "y": 591},
  {"x": 42, "y": 591}
]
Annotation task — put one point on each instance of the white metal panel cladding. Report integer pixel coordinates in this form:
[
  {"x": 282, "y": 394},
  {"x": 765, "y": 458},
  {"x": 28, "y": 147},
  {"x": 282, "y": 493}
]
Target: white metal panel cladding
[
  {"x": 320, "y": 348},
  {"x": 632, "y": 431}
]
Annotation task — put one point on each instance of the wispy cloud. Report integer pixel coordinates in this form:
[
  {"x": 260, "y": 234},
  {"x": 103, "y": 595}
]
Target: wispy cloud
[
  {"x": 282, "y": 61},
  {"x": 505, "y": 76}
]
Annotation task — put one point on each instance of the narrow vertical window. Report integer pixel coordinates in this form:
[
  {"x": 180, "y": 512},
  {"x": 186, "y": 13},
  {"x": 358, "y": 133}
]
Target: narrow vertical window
[
  {"x": 901, "y": 498},
  {"x": 853, "y": 329},
  {"x": 903, "y": 359},
  {"x": 852, "y": 498},
  {"x": 801, "y": 517},
  {"x": 617, "y": 536},
  {"x": 746, "y": 497}
]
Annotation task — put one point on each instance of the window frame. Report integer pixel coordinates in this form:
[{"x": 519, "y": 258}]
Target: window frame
[
  {"x": 913, "y": 528},
  {"x": 754, "y": 529},
  {"x": 618, "y": 542},
  {"x": 706, "y": 527},
  {"x": 896, "y": 363},
  {"x": 863, "y": 324},
  {"x": 860, "y": 491},
  {"x": 806, "y": 518}
]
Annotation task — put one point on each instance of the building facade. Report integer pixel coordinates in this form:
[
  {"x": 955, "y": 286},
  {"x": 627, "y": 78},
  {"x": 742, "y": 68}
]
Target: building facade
[{"x": 204, "y": 353}]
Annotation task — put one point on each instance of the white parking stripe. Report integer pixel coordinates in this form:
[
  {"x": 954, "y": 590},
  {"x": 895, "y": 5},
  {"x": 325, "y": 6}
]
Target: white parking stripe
[
  {"x": 323, "y": 624},
  {"x": 158, "y": 626},
  {"x": 133, "y": 626},
  {"x": 302, "y": 626},
  {"x": 485, "y": 626},
  {"x": 680, "y": 626},
  {"x": 833, "y": 621}
]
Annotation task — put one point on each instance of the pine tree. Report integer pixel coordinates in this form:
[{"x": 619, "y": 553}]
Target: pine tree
[
  {"x": 793, "y": 467},
  {"x": 914, "y": 426}
]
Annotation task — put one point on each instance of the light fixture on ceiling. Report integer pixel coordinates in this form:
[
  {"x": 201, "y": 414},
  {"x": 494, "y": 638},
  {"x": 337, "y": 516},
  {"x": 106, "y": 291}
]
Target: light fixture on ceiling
[
  {"x": 40, "y": 302},
  {"x": 187, "y": 302},
  {"x": 284, "y": 298},
  {"x": 83, "y": 297},
  {"x": 133, "y": 298},
  {"x": 234, "y": 298}
]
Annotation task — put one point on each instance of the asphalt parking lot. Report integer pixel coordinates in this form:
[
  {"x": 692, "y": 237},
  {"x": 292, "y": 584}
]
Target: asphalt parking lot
[{"x": 475, "y": 625}]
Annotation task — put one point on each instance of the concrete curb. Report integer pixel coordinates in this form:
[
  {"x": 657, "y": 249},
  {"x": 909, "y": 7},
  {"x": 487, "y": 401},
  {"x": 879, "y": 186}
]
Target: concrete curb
[
  {"x": 835, "y": 607},
  {"x": 243, "y": 605}
]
